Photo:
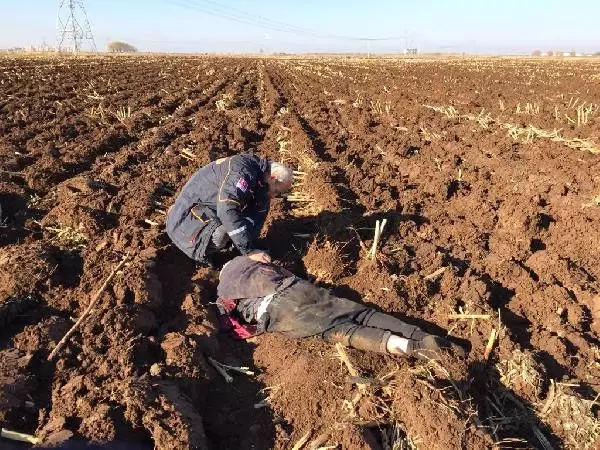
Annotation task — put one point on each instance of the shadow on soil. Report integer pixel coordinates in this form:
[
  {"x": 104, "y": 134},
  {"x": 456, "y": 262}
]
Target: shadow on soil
[
  {"x": 231, "y": 420},
  {"x": 13, "y": 211},
  {"x": 288, "y": 238},
  {"x": 506, "y": 416}
]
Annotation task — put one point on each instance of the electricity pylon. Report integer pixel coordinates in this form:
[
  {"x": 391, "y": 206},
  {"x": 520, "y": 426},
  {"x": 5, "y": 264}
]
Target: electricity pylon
[{"x": 72, "y": 26}]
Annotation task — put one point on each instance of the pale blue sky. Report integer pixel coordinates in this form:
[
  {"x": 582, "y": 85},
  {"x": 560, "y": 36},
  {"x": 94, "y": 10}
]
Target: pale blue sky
[{"x": 509, "y": 26}]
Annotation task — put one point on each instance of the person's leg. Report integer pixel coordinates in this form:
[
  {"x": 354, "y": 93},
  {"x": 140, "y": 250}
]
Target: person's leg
[
  {"x": 360, "y": 337},
  {"x": 305, "y": 310},
  {"x": 353, "y": 324},
  {"x": 405, "y": 338},
  {"x": 375, "y": 319}
]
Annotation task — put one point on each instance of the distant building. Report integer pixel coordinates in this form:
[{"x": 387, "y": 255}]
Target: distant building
[
  {"x": 43, "y": 47},
  {"x": 410, "y": 51}
]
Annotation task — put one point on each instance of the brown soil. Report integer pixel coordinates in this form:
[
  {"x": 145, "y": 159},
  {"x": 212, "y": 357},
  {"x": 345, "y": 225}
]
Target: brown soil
[{"x": 478, "y": 221}]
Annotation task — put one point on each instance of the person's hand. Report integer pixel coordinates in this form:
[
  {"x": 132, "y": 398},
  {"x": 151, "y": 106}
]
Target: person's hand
[{"x": 260, "y": 256}]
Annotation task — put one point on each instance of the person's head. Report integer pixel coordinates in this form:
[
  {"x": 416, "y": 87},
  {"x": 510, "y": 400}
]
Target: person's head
[{"x": 280, "y": 179}]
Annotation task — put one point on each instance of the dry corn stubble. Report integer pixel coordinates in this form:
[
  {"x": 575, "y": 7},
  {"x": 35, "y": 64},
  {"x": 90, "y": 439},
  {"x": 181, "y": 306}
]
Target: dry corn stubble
[
  {"x": 68, "y": 237},
  {"x": 527, "y": 133}
]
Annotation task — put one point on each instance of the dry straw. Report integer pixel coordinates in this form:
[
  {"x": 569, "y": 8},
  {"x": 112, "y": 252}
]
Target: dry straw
[{"x": 528, "y": 133}]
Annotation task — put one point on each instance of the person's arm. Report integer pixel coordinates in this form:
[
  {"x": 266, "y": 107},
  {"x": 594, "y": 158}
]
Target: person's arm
[
  {"x": 258, "y": 215},
  {"x": 234, "y": 194}
]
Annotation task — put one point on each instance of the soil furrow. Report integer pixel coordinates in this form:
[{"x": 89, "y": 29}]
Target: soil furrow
[{"x": 479, "y": 221}]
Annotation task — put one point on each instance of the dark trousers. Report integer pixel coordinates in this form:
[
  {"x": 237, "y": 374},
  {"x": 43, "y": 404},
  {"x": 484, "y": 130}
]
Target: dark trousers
[
  {"x": 304, "y": 310},
  {"x": 370, "y": 330}
]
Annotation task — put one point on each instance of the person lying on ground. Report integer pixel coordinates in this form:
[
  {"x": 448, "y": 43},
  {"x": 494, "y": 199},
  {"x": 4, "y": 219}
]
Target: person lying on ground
[
  {"x": 226, "y": 202},
  {"x": 257, "y": 297}
]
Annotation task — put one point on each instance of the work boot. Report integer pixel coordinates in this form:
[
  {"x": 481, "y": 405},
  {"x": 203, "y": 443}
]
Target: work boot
[{"x": 432, "y": 347}]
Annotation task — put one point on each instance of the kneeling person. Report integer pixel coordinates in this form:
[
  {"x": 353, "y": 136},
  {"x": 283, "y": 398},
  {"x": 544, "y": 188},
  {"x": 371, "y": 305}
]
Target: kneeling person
[
  {"x": 226, "y": 202},
  {"x": 268, "y": 298}
]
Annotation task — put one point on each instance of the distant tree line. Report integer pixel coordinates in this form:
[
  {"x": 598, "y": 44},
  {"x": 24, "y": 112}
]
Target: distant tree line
[{"x": 120, "y": 47}]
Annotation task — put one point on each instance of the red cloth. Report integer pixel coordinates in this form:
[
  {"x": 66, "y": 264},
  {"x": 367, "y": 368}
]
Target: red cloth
[{"x": 228, "y": 322}]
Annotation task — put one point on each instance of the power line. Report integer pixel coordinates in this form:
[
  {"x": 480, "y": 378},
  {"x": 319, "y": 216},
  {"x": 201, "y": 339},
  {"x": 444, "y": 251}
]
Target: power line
[
  {"x": 205, "y": 9},
  {"x": 214, "y": 8},
  {"x": 263, "y": 21}
]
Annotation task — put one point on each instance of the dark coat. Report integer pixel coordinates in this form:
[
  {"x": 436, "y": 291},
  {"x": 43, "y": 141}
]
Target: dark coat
[
  {"x": 230, "y": 191},
  {"x": 243, "y": 278},
  {"x": 298, "y": 308}
]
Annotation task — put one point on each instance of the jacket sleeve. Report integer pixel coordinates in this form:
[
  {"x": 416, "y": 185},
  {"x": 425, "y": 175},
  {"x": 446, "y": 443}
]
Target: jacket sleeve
[
  {"x": 258, "y": 215},
  {"x": 234, "y": 194}
]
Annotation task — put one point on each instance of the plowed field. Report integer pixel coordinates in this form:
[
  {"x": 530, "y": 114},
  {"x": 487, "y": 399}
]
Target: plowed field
[{"x": 487, "y": 172}]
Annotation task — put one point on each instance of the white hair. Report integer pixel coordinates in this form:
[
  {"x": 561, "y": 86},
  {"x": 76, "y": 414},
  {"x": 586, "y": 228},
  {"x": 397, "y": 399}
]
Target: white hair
[{"x": 282, "y": 173}]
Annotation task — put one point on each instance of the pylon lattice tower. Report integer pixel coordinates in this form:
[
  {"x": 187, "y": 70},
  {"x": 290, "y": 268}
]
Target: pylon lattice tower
[{"x": 72, "y": 26}]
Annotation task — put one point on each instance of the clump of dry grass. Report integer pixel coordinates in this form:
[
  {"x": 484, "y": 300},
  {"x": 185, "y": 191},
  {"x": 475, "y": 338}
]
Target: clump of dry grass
[
  {"x": 68, "y": 237},
  {"x": 305, "y": 203},
  {"x": 567, "y": 414},
  {"x": 529, "y": 133},
  {"x": 580, "y": 144},
  {"x": 325, "y": 261},
  {"x": 483, "y": 119},
  {"x": 436, "y": 376},
  {"x": 429, "y": 136},
  {"x": 311, "y": 192},
  {"x": 584, "y": 112},
  {"x": 269, "y": 393},
  {"x": 122, "y": 114},
  {"x": 225, "y": 102},
  {"x": 284, "y": 141},
  {"x": 521, "y": 371},
  {"x": 572, "y": 416},
  {"x": 395, "y": 438},
  {"x": 99, "y": 114},
  {"x": 302, "y": 159},
  {"x": 449, "y": 111},
  {"x": 530, "y": 108}
]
